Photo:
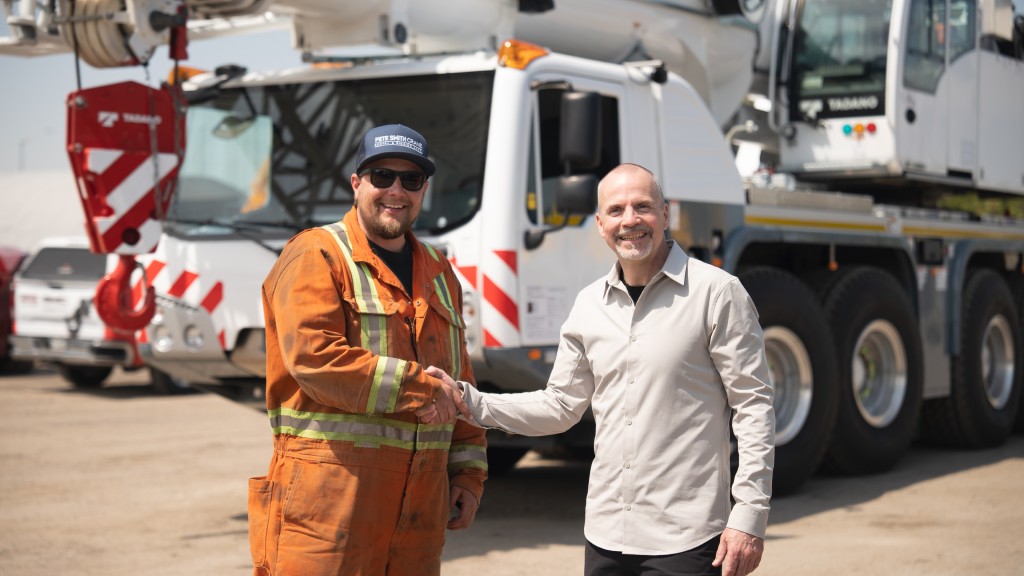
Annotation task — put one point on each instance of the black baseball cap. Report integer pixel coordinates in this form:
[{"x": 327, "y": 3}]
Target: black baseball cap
[{"x": 394, "y": 141}]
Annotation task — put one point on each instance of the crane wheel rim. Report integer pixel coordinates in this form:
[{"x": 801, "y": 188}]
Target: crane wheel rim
[
  {"x": 997, "y": 361},
  {"x": 879, "y": 373},
  {"x": 792, "y": 377}
]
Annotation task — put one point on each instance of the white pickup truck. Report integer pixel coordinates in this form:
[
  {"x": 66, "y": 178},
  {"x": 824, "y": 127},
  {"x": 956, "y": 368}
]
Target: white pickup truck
[{"x": 54, "y": 318}]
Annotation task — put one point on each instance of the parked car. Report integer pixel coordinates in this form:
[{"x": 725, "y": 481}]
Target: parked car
[
  {"x": 10, "y": 259},
  {"x": 54, "y": 318}
]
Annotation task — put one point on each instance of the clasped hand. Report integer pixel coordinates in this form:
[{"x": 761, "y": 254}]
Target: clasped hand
[{"x": 447, "y": 401}]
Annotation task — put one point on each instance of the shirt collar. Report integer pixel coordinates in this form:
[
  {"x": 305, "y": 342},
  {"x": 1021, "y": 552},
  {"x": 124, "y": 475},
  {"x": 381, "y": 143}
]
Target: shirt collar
[
  {"x": 674, "y": 269},
  {"x": 361, "y": 251}
]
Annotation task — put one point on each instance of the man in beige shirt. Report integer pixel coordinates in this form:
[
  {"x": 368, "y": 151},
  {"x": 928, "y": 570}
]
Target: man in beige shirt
[{"x": 668, "y": 351}]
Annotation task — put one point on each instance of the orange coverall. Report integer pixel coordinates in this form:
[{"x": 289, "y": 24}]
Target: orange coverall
[{"x": 356, "y": 485}]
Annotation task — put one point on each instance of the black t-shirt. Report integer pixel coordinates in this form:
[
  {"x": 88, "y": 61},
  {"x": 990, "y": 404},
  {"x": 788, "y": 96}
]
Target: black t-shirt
[
  {"x": 634, "y": 291},
  {"x": 399, "y": 262}
]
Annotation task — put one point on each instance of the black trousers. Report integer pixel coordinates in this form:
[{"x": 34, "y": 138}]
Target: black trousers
[{"x": 695, "y": 562}]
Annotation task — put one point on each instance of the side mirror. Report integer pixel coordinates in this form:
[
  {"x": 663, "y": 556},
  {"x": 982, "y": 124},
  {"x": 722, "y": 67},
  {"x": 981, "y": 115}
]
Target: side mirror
[
  {"x": 223, "y": 74},
  {"x": 580, "y": 130},
  {"x": 577, "y": 194},
  {"x": 580, "y": 137},
  {"x": 574, "y": 195}
]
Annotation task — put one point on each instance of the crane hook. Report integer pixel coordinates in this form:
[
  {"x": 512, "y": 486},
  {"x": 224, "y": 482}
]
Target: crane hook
[{"x": 114, "y": 298}]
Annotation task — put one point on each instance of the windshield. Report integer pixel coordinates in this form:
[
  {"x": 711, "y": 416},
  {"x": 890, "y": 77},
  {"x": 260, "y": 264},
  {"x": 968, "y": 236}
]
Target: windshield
[
  {"x": 271, "y": 160},
  {"x": 61, "y": 264},
  {"x": 839, "y": 59}
]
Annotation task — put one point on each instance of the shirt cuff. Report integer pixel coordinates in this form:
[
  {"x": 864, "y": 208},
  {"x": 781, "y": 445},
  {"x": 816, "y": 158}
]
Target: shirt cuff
[
  {"x": 469, "y": 396},
  {"x": 744, "y": 519}
]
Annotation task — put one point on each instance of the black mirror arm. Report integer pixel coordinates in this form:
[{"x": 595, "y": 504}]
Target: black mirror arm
[{"x": 534, "y": 237}]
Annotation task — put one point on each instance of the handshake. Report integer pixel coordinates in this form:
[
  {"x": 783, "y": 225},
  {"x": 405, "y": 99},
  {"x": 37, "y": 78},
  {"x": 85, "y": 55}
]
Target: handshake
[{"x": 448, "y": 404}]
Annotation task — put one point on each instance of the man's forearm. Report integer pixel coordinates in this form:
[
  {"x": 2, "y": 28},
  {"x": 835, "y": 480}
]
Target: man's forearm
[{"x": 537, "y": 413}]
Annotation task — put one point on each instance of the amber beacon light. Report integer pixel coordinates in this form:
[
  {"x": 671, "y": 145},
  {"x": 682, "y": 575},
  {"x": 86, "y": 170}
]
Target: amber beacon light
[{"x": 518, "y": 54}]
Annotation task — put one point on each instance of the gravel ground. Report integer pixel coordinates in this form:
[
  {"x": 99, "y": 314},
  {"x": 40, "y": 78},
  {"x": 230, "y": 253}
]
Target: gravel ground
[{"x": 121, "y": 481}]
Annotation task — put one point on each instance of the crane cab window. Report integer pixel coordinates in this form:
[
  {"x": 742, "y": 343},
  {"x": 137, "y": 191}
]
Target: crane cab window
[
  {"x": 930, "y": 30},
  {"x": 926, "y": 46},
  {"x": 839, "y": 52},
  {"x": 962, "y": 28}
]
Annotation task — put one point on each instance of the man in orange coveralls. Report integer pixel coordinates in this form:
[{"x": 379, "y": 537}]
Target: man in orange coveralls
[{"x": 355, "y": 313}]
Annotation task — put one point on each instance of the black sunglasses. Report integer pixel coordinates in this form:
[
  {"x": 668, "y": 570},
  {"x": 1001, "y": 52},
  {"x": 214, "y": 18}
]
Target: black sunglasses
[{"x": 412, "y": 180}]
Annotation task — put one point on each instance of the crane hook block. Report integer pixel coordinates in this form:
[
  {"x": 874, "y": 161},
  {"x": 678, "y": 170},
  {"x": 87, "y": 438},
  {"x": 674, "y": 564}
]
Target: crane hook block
[
  {"x": 113, "y": 299},
  {"x": 126, "y": 142}
]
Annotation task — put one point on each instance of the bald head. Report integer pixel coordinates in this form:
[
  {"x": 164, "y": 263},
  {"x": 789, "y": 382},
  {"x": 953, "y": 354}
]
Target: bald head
[
  {"x": 632, "y": 217},
  {"x": 629, "y": 175}
]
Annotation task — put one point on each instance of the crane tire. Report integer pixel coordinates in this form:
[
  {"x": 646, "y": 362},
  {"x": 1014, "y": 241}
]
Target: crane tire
[
  {"x": 502, "y": 459},
  {"x": 880, "y": 371},
  {"x": 167, "y": 385},
  {"x": 84, "y": 377},
  {"x": 803, "y": 366},
  {"x": 985, "y": 394},
  {"x": 1017, "y": 285}
]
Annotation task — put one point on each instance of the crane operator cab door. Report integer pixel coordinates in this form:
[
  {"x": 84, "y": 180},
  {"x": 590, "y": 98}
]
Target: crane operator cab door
[
  {"x": 962, "y": 88},
  {"x": 957, "y": 108},
  {"x": 573, "y": 253},
  {"x": 922, "y": 103}
]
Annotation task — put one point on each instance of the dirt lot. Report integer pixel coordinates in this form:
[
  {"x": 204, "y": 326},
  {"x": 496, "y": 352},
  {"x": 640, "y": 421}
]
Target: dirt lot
[{"x": 120, "y": 481}]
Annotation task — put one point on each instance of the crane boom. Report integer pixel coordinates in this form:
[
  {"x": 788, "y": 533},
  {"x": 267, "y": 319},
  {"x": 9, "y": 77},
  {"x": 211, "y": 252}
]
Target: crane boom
[{"x": 694, "y": 38}]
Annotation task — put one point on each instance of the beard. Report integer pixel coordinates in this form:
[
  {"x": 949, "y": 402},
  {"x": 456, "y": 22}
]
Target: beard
[
  {"x": 381, "y": 225},
  {"x": 639, "y": 249}
]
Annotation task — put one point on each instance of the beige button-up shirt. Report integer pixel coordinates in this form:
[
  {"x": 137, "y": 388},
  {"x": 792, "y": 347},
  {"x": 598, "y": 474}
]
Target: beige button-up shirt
[{"x": 663, "y": 377}]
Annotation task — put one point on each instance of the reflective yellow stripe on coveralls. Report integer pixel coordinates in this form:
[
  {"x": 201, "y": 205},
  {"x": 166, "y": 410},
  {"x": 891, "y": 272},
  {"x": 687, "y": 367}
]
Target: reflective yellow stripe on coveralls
[
  {"x": 441, "y": 287},
  {"x": 387, "y": 379},
  {"x": 388, "y": 375},
  {"x": 459, "y": 455}
]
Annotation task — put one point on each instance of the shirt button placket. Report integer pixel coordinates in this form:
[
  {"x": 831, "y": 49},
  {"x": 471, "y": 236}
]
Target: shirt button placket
[{"x": 633, "y": 358}]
